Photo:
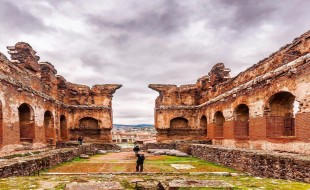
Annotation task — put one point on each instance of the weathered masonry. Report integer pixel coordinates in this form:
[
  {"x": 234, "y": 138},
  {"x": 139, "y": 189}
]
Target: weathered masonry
[
  {"x": 265, "y": 107},
  {"x": 39, "y": 107}
]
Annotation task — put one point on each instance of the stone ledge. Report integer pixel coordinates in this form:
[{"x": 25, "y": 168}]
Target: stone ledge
[
  {"x": 257, "y": 162},
  {"x": 24, "y": 166}
]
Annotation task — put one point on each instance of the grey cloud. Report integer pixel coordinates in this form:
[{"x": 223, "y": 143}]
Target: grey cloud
[
  {"x": 165, "y": 21},
  {"x": 140, "y": 42},
  {"x": 16, "y": 20},
  {"x": 246, "y": 14}
]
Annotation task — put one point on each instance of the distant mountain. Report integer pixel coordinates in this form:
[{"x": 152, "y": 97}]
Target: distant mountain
[{"x": 131, "y": 126}]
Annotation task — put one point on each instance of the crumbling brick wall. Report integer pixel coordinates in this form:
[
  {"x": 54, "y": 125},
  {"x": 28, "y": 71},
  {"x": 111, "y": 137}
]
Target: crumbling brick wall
[
  {"x": 264, "y": 107},
  {"x": 258, "y": 163},
  {"x": 30, "y": 89}
]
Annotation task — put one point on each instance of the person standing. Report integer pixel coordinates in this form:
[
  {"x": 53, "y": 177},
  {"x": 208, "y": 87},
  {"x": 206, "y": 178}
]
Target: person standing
[
  {"x": 140, "y": 161},
  {"x": 80, "y": 139},
  {"x": 136, "y": 149}
]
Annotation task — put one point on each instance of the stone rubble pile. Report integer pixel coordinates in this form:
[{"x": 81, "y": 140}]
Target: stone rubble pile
[{"x": 170, "y": 152}]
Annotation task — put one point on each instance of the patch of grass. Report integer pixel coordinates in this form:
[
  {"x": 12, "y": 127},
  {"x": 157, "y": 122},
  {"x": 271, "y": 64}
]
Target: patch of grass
[
  {"x": 239, "y": 182},
  {"x": 60, "y": 186},
  {"x": 15, "y": 156},
  {"x": 201, "y": 166},
  {"x": 118, "y": 168},
  {"x": 124, "y": 183},
  {"x": 20, "y": 155}
]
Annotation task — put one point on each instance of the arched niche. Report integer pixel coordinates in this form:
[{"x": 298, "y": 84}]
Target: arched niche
[
  {"x": 280, "y": 118},
  {"x": 219, "y": 120},
  {"x": 26, "y": 122},
  {"x": 48, "y": 125},
  {"x": 179, "y": 123},
  {"x": 63, "y": 128},
  {"x": 241, "y": 121}
]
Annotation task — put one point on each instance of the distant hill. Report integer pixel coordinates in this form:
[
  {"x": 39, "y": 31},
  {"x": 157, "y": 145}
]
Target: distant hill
[{"x": 132, "y": 126}]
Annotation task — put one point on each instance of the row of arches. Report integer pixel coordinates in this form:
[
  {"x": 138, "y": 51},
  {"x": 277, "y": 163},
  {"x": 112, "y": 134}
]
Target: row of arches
[
  {"x": 27, "y": 129},
  {"x": 87, "y": 125},
  {"x": 280, "y": 112},
  {"x": 27, "y": 125},
  {"x": 280, "y": 117}
]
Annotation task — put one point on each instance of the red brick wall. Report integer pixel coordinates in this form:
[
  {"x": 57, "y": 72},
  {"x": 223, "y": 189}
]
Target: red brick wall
[
  {"x": 302, "y": 126},
  {"x": 228, "y": 131},
  {"x": 210, "y": 128},
  {"x": 257, "y": 128},
  {"x": 241, "y": 129}
]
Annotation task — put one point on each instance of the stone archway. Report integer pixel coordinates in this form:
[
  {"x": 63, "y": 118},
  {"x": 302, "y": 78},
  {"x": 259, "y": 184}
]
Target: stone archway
[
  {"x": 203, "y": 124},
  {"x": 241, "y": 121},
  {"x": 26, "y": 123},
  {"x": 63, "y": 128},
  {"x": 219, "y": 120},
  {"x": 179, "y": 123},
  {"x": 88, "y": 127},
  {"x": 280, "y": 118},
  {"x": 48, "y": 124}
]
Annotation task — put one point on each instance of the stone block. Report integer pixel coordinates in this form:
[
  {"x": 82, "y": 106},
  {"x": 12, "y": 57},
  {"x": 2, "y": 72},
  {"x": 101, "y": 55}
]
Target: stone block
[
  {"x": 94, "y": 186},
  {"x": 101, "y": 152},
  {"x": 84, "y": 156},
  {"x": 218, "y": 184}
]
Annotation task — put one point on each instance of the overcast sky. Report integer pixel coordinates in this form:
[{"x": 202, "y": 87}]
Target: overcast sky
[{"x": 139, "y": 42}]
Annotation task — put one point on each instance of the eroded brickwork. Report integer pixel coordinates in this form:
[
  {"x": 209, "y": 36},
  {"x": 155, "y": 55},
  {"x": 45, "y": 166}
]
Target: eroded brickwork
[
  {"x": 40, "y": 107},
  {"x": 263, "y": 107}
]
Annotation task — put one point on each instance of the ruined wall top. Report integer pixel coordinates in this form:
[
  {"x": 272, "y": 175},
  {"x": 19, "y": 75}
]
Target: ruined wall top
[
  {"x": 218, "y": 80},
  {"x": 23, "y": 54},
  {"x": 25, "y": 72}
]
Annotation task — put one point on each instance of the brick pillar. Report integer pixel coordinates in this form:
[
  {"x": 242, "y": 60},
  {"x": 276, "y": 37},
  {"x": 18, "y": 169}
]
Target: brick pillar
[
  {"x": 210, "y": 128},
  {"x": 257, "y": 128},
  {"x": 228, "y": 130},
  {"x": 302, "y": 126}
]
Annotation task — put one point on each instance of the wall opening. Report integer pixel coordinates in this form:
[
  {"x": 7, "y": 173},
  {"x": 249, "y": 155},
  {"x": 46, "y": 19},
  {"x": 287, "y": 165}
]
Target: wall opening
[
  {"x": 203, "y": 124},
  {"x": 88, "y": 123},
  {"x": 219, "y": 120},
  {"x": 48, "y": 124},
  {"x": 281, "y": 118},
  {"x": 241, "y": 121},
  {"x": 88, "y": 127},
  {"x": 26, "y": 123},
  {"x": 1, "y": 124},
  {"x": 179, "y": 123},
  {"x": 63, "y": 128}
]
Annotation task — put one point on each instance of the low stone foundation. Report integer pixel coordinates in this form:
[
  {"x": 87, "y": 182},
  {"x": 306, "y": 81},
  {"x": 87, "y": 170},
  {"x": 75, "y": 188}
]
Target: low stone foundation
[
  {"x": 23, "y": 166},
  {"x": 183, "y": 146},
  {"x": 258, "y": 163}
]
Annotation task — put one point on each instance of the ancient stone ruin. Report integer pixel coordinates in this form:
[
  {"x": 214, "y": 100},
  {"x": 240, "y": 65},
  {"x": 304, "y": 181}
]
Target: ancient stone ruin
[
  {"x": 39, "y": 107},
  {"x": 265, "y": 107}
]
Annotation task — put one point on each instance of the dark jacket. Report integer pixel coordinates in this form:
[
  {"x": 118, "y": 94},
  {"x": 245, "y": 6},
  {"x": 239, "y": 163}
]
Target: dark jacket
[
  {"x": 140, "y": 159},
  {"x": 136, "y": 149}
]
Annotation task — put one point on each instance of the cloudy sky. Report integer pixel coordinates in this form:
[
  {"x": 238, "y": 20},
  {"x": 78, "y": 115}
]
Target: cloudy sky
[{"x": 137, "y": 42}]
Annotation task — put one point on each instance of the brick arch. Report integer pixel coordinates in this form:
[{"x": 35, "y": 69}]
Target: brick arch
[
  {"x": 241, "y": 120},
  {"x": 48, "y": 125},
  {"x": 87, "y": 127},
  {"x": 219, "y": 120},
  {"x": 203, "y": 122},
  {"x": 178, "y": 123},
  {"x": 26, "y": 122},
  {"x": 89, "y": 123},
  {"x": 63, "y": 128},
  {"x": 279, "y": 112}
]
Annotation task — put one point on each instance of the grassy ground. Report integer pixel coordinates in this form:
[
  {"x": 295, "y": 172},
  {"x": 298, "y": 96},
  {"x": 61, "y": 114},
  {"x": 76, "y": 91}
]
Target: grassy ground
[
  {"x": 59, "y": 182},
  {"x": 125, "y": 162}
]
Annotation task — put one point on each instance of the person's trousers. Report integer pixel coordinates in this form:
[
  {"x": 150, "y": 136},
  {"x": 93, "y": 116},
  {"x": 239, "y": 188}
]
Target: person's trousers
[{"x": 139, "y": 167}]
